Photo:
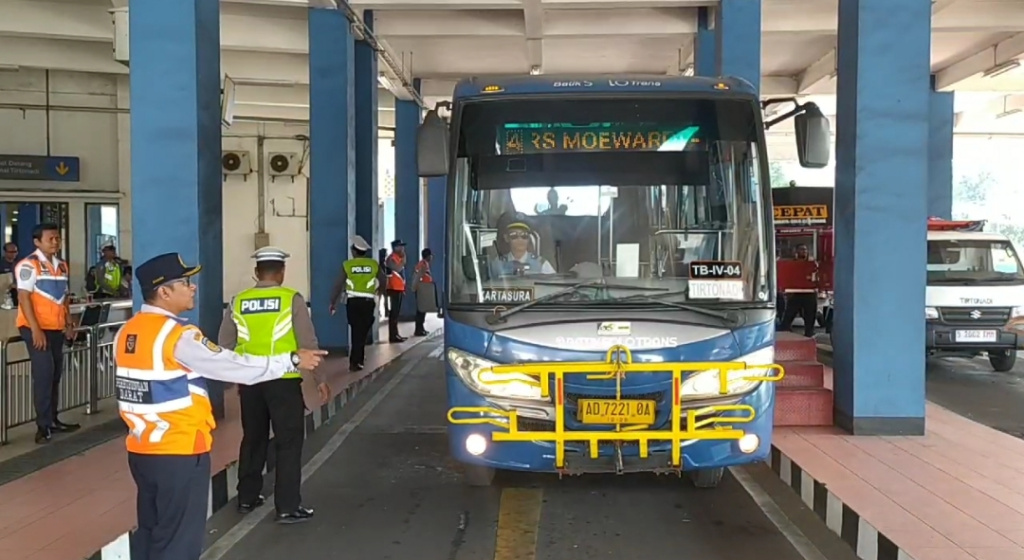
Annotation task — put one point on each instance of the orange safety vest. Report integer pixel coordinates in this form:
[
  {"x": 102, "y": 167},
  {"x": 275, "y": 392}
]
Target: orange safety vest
[
  {"x": 165, "y": 405},
  {"x": 396, "y": 280},
  {"x": 424, "y": 267},
  {"x": 49, "y": 298}
]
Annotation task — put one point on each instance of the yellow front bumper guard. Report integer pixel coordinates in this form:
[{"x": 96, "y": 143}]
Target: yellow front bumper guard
[{"x": 618, "y": 363}]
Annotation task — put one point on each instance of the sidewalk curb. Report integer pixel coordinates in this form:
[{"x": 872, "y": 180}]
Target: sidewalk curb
[
  {"x": 223, "y": 482},
  {"x": 865, "y": 540}
]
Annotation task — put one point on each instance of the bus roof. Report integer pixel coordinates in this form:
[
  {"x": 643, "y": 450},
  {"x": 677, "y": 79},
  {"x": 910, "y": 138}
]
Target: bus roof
[{"x": 485, "y": 87}]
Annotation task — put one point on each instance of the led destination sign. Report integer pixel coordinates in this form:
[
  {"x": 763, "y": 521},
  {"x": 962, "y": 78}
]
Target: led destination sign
[{"x": 596, "y": 137}]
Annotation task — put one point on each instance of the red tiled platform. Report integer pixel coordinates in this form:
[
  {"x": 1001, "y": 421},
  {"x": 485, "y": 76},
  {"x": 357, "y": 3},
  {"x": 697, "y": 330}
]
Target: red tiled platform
[
  {"x": 804, "y": 396},
  {"x": 956, "y": 493},
  {"x": 72, "y": 509}
]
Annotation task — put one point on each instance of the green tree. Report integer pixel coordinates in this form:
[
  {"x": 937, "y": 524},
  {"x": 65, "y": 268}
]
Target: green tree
[
  {"x": 970, "y": 191},
  {"x": 778, "y": 175}
]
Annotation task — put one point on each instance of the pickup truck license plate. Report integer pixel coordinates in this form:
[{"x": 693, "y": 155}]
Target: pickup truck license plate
[
  {"x": 610, "y": 411},
  {"x": 976, "y": 336}
]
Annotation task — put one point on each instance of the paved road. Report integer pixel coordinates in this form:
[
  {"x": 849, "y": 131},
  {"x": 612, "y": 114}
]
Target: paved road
[
  {"x": 390, "y": 492},
  {"x": 970, "y": 388}
]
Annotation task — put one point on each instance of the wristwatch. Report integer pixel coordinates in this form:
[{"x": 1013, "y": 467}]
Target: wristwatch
[{"x": 295, "y": 359}]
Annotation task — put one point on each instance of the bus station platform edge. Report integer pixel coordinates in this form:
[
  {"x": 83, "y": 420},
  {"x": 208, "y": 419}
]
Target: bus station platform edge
[
  {"x": 956, "y": 493},
  {"x": 84, "y": 507}
]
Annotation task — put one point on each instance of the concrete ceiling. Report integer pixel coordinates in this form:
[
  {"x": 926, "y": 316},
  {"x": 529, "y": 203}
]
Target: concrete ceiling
[{"x": 265, "y": 45}]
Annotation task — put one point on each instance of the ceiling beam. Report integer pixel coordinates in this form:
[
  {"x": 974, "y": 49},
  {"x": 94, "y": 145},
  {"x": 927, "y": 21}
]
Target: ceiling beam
[
  {"x": 977, "y": 63},
  {"x": 533, "y": 27},
  {"x": 814, "y": 79}
]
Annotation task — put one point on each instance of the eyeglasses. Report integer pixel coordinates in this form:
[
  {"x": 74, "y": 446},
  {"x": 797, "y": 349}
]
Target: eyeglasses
[{"x": 518, "y": 235}]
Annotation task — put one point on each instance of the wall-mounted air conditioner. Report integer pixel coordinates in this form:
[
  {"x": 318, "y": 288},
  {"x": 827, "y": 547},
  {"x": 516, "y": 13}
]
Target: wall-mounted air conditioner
[{"x": 235, "y": 162}]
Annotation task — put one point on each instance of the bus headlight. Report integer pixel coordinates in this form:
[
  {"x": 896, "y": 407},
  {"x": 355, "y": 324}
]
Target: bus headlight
[
  {"x": 475, "y": 371},
  {"x": 706, "y": 383},
  {"x": 931, "y": 313}
]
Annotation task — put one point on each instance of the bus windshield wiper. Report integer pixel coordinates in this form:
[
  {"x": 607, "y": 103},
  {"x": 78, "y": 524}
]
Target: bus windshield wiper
[
  {"x": 732, "y": 317},
  {"x": 593, "y": 283}
]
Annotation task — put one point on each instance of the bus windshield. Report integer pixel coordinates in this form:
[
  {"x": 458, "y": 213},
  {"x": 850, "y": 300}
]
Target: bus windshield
[{"x": 630, "y": 200}]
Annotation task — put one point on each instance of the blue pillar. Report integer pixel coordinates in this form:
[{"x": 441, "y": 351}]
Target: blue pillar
[
  {"x": 176, "y": 146},
  {"x": 704, "y": 59},
  {"x": 436, "y": 238},
  {"x": 940, "y": 153},
  {"x": 28, "y": 219},
  {"x": 332, "y": 173},
  {"x": 366, "y": 87},
  {"x": 93, "y": 227},
  {"x": 3, "y": 223},
  {"x": 881, "y": 191},
  {"x": 738, "y": 40},
  {"x": 408, "y": 194},
  {"x": 366, "y": 113}
]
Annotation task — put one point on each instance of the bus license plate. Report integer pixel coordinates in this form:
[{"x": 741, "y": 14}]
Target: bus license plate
[
  {"x": 600, "y": 411},
  {"x": 977, "y": 336}
]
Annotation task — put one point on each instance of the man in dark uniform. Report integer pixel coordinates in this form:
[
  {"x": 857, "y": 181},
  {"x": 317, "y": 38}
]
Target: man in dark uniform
[
  {"x": 265, "y": 320},
  {"x": 360, "y": 282}
]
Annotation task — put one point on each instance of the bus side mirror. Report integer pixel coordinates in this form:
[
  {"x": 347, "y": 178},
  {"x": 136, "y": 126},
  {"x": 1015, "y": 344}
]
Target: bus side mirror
[
  {"x": 813, "y": 137},
  {"x": 432, "y": 146}
]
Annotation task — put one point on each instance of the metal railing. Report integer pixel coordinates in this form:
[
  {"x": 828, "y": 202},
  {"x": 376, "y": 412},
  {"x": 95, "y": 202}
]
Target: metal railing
[{"x": 88, "y": 375}]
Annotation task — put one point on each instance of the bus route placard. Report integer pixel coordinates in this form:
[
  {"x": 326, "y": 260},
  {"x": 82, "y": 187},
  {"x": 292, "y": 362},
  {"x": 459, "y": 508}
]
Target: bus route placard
[{"x": 519, "y": 139}]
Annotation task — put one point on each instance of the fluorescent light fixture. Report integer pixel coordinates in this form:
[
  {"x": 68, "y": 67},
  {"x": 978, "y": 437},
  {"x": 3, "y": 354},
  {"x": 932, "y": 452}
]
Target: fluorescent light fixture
[
  {"x": 1007, "y": 113},
  {"x": 1003, "y": 68},
  {"x": 535, "y": 70},
  {"x": 265, "y": 83}
]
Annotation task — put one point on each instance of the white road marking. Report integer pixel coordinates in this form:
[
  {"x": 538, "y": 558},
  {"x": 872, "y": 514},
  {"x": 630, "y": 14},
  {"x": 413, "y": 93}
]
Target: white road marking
[
  {"x": 252, "y": 520},
  {"x": 774, "y": 513},
  {"x": 436, "y": 353}
]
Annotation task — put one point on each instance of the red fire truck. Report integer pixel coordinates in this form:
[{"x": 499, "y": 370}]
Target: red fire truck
[{"x": 803, "y": 217}]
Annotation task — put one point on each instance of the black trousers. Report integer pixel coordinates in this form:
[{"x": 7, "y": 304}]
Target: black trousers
[
  {"x": 395, "y": 301},
  {"x": 421, "y": 318},
  {"x": 360, "y": 312},
  {"x": 172, "y": 501},
  {"x": 278, "y": 403},
  {"x": 47, "y": 369},
  {"x": 805, "y": 305}
]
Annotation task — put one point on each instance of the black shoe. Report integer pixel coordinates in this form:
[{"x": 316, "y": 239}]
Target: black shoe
[
  {"x": 249, "y": 507},
  {"x": 420, "y": 333},
  {"x": 59, "y": 426},
  {"x": 397, "y": 339},
  {"x": 43, "y": 435},
  {"x": 355, "y": 367},
  {"x": 300, "y": 515}
]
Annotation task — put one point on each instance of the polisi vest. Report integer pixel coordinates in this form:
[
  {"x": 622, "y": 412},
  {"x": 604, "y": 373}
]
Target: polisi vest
[
  {"x": 110, "y": 280},
  {"x": 165, "y": 405},
  {"x": 263, "y": 318},
  {"x": 396, "y": 280},
  {"x": 361, "y": 277},
  {"x": 49, "y": 296}
]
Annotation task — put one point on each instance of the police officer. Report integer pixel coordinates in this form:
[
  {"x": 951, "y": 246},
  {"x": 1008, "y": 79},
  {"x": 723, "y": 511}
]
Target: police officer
[
  {"x": 361, "y": 280},
  {"x": 161, "y": 394},
  {"x": 395, "y": 265},
  {"x": 264, "y": 320},
  {"x": 107, "y": 279}
]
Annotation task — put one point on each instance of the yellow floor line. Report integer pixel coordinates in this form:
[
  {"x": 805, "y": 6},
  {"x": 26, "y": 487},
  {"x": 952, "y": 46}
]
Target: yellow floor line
[{"x": 518, "y": 524}]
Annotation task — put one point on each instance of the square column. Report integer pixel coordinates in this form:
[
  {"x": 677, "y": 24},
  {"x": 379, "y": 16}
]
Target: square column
[
  {"x": 705, "y": 62},
  {"x": 28, "y": 219},
  {"x": 366, "y": 119},
  {"x": 366, "y": 114},
  {"x": 408, "y": 193},
  {"x": 332, "y": 171},
  {"x": 942, "y": 119},
  {"x": 881, "y": 189},
  {"x": 436, "y": 239},
  {"x": 176, "y": 189},
  {"x": 738, "y": 40}
]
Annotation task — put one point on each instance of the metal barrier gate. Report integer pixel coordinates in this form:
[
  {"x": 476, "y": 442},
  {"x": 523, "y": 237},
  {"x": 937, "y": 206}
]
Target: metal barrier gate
[
  {"x": 684, "y": 424},
  {"x": 88, "y": 375}
]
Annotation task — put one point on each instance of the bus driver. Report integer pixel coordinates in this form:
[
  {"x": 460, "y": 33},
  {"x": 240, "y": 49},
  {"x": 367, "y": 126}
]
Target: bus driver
[{"x": 519, "y": 260}]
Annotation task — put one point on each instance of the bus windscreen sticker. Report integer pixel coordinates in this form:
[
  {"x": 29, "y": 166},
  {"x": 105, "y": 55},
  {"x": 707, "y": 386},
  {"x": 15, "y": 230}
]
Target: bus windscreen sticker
[
  {"x": 506, "y": 296},
  {"x": 716, "y": 280}
]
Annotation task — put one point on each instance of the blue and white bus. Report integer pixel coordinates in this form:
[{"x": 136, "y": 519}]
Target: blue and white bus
[{"x": 610, "y": 273}]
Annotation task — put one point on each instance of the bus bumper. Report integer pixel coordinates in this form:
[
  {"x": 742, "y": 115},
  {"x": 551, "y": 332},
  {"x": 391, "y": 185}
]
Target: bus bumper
[{"x": 696, "y": 436}]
